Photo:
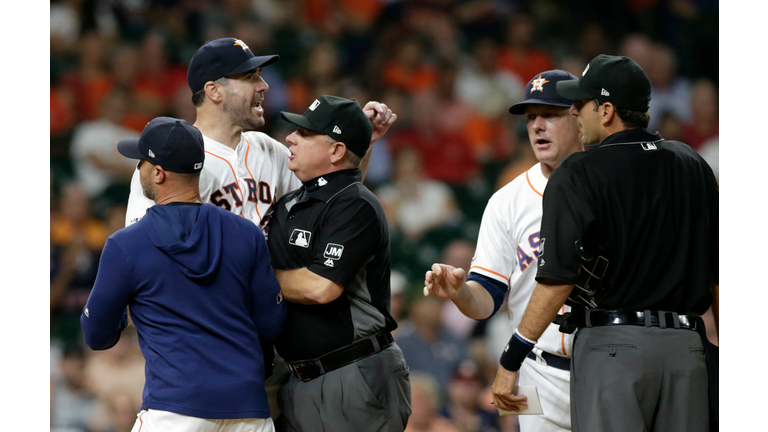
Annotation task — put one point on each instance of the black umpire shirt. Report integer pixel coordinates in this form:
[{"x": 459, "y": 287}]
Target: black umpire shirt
[
  {"x": 650, "y": 207},
  {"x": 336, "y": 227}
]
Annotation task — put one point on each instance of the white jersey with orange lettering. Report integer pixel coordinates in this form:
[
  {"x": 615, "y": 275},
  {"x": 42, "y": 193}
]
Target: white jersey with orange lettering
[
  {"x": 507, "y": 249},
  {"x": 246, "y": 180}
]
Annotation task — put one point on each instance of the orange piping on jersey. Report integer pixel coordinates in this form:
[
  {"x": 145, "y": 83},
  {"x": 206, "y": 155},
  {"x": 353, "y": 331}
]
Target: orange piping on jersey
[
  {"x": 237, "y": 183},
  {"x": 531, "y": 185},
  {"x": 490, "y": 271},
  {"x": 141, "y": 422},
  {"x": 562, "y": 335},
  {"x": 248, "y": 150}
]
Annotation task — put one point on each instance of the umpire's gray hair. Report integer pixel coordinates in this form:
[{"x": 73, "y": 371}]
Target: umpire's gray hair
[{"x": 352, "y": 160}]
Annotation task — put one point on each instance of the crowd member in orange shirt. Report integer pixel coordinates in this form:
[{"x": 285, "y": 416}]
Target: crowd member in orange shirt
[
  {"x": 91, "y": 80},
  {"x": 408, "y": 70},
  {"x": 76, "y": 242},
  {"x": 319, "y": 75},
  {"x": 519, "y": 54}
]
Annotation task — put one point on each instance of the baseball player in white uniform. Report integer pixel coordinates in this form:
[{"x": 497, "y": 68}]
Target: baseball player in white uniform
[
  {"x": 245, "y": 171},
  {"x": 504, "y": 265}
]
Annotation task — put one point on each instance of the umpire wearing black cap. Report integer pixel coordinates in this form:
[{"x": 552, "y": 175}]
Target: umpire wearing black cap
[
  {"x": 329, "y": 243},
  {"x": 629, "y": 237}
]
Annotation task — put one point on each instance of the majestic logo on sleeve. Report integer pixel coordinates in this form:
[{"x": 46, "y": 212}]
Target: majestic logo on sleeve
[
  {"x": 300, "y": 238},
  {"x": 538, "y": 84},
  {"x": 332, "y": 253}
]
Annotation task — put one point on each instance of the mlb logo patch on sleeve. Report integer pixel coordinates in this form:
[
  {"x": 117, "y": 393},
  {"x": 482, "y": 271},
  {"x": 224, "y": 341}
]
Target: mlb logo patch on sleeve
[{"x": 300, "y": 238}]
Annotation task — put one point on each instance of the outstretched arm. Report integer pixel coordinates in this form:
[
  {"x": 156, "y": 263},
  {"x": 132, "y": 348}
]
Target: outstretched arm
[{"x": 448, "y": 282}]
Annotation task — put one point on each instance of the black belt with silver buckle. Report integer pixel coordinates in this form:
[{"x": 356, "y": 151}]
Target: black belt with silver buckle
[
  {"x": 557, "y": 362},
  {"x": 662, "y": 319},
  {"x": 306, "y": 370}
]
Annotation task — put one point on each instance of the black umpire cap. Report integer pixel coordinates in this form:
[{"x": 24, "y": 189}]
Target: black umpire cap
[
  {"x": 615, "y": 79},
  {"x": 541, "y": 91},
  {"x": 169, "y": 142},
  {"x": 222, "y": 58},
  {"x": 341, "y": 119}
]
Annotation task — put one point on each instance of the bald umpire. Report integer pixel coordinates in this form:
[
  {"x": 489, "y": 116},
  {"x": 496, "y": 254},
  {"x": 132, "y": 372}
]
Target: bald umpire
[{"x": 329, "y": 243}]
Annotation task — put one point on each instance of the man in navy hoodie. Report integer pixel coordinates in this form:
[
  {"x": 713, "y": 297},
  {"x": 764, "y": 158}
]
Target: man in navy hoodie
[{"x": 201, "y": 293}]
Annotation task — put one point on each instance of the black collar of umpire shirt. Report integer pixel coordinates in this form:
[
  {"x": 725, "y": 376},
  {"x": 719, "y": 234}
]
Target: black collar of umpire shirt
[
  {"x": 324, "y": 187},
  {"x": 632, "y": 136}
]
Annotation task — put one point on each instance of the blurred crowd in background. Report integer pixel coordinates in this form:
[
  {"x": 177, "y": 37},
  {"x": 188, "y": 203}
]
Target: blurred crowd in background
[{"x": 450, "y": 69}]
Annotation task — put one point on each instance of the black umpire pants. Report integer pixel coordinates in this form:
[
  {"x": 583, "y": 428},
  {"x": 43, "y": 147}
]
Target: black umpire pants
[
  {"x": 638, "y": 379},
  {"x": 372, "y": 394}
]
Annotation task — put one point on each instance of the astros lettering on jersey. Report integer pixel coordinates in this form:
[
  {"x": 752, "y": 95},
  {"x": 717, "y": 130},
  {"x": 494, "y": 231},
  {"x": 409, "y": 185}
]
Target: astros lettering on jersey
[
  {"x": 507, "y": 248},
  {"x": 245, "y": 181}
]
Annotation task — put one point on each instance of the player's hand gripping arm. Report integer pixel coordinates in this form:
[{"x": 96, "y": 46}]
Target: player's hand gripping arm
[
  {"x": 448, "y": 282},
  {"x": 382, "y": 119},
  {"x": 303, "y": 286},
  {"x": 546, "y": 300}
]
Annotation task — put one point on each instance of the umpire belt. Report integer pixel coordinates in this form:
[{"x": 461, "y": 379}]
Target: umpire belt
[
  {"x": 557, "y": 362},
  {"x": 648, "y": 318},
  {"x": 306, "y": 370}
]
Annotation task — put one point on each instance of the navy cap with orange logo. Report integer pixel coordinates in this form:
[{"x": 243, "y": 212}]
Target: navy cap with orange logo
[
  {"x": 541, "y": 91},
  {"x": 222, "y": 58}
]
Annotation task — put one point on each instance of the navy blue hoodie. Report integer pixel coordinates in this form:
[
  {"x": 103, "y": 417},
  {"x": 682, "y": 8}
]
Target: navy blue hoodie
[{"x": 201, "y": 294}]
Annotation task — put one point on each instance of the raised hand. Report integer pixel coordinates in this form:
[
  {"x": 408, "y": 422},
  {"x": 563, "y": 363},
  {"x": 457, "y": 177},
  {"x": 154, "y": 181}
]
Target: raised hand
[
  {"x": 444, "y": 281},
  {"x": 381, "y": 118}
]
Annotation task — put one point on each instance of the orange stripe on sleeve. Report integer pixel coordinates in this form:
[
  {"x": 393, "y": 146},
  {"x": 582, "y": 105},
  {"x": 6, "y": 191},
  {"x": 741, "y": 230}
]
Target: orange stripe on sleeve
[
  {"x": 248, "y": 150},
  {"x": 491, "y": 271},
  {"x": 531, "y": 185}
]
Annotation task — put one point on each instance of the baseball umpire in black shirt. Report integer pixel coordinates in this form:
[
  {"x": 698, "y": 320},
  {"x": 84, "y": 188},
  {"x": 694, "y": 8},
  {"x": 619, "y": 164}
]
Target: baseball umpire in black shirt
[
  {"x": 329, "y": 243},
  {"x": 629, "y": 236}
]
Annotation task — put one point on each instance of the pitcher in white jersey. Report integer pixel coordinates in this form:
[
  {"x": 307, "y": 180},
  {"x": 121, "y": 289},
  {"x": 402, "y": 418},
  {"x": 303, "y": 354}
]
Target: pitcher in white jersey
[
  {"x": 245, "y": 171},
  {"x": 504, "y": 265}
]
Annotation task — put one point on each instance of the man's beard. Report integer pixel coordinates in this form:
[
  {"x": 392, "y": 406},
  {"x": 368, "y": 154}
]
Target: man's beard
[
  {"x": 148, "y": 190},
  {"x": 242, "y": 117}
]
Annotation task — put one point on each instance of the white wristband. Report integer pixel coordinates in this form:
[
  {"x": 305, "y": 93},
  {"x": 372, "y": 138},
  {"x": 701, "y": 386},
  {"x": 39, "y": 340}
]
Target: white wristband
[{"x": 530, "y": 341}]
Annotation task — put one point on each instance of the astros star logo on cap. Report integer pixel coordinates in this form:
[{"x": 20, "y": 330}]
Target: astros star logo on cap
[
  {"x": 242, "y": 44},
  {"x": 538, "y": 84}
]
